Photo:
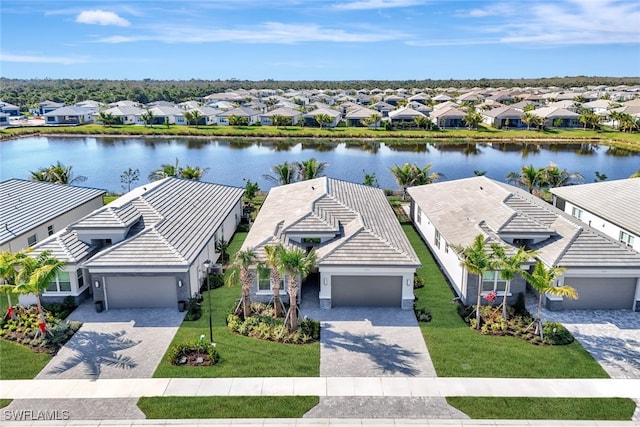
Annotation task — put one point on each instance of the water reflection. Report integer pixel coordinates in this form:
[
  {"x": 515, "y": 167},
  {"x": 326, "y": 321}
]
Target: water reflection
[
  {"x": 321, "y": 146},
  {"x": 367, "y": 146},
  {"x": 620, "y": 152},
  {"x": 468, "y": 149},
  {"x": 404, "y": 147}
]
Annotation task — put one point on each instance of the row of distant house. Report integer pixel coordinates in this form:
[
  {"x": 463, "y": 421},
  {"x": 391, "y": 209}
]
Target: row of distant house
[
  {"x": 500, "y": 108},
  {"x": 152, "y": 247}
]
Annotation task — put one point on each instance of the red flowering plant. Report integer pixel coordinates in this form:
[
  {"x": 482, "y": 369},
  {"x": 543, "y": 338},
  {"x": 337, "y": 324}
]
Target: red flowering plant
[{"x": 491, "y": 297}]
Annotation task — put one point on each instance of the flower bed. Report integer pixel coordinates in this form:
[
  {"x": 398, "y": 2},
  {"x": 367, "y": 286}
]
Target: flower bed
[
  {"x": 193, "y": 353},
  {"x": 263, "y": 325},
  {"x": 24, "y": 328}
]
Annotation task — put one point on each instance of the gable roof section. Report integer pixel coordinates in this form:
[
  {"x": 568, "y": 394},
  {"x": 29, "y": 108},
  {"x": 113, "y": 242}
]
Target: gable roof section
[
  {"x": 367, "y": 230},
  {"x": 178, "y": 217},
  {"x": 616, "y": 201},
  {"x": 464, "y": 208},
  {"x": 25, "y": 205}
]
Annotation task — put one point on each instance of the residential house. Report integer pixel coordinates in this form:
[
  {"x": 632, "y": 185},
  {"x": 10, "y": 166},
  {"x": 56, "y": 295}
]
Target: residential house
[
  {"x": 383, "y": 108},
  {"x": 448, "y": 117},
  {"x": 612, "y": 207},
  {"x": 449, "y": 214},
  {"x": 163, "y": 114},
  {"x": 33, "y": 210},
  {"x": 557, "y": 117},
  {"x": 289, "y": 113},
  {"x": 69, "y": 116},
  {"x": 503, "y": 117},
  {"x": 47, "y": 106},
  {"x": 405, "y": 117},
  {"x": 148, "y": 247},
  {"x": 9, "y": 109},
  {"x": 4, "y": 119},
  {"x": 250, "y": 114},
  {"x": 310, "y": 117},
  {"x": 93, "y": 106},
  {"x": 364, "y": 257},
  {"x": 125, "y": 115},
  {"x": 208, "y": 115},
  {"x": 355, "y": 117}
]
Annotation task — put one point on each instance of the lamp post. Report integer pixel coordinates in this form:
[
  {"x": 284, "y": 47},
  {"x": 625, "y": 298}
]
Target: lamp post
[{"x": 207, "y": 266}]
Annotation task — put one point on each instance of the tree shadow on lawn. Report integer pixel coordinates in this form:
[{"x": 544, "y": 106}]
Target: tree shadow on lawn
[
  {"x": 388, "y": 358},
  {"x": 93, "y": 350}
]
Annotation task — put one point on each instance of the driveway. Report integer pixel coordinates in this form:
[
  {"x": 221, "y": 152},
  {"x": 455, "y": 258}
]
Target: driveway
[
  {"x": 118, "y": 343},
  {"x": 611, "y": 336}
]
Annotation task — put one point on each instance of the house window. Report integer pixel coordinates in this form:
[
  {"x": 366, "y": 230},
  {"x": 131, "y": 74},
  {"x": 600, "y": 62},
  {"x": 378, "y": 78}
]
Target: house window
[
  {"x": 436, "y": 239},
  {"x": 419, "y": 215},
  {"x": 50, "y": 230},
  {"x": 31, "y": 240},
  {"x": 61, "y": 283},
  {"x": 264, "y": 280},
  {"x": 80, "y": 278},
  {"x": 576, "y": 212},
  {"x": 626, "y": 238},
  {"x": 311, "y": 240},
  {"x": 492, "y": 281},
  {"x": 446, "y": 248}
]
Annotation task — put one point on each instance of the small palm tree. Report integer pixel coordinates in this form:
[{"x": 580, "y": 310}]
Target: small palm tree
[
  {"x": 296, "y": 263},
  {"x": 165, "y": 171},
  {"x": 475, "y": 260},
  {"x": 542, "y": 279},
  {"x": 529, "y": 177},
  {"x": 323, "y": 119},
  {"x": 284, "y": 173},
  {"x": 35, "y": 274},
  {"x": 107, "y": 119},
  {"x": 222, "y": 247},
  {"x": 147, "y": 118},
  {"x": 472, "y": 118},
  {"x": 57, "y": 173},
  {"x": 244, "y": 260},
  {"x": 409, "y": 175},
  {"x": 274, "y": 263},
  {"x": 193, "y": 172},
  {"x": 509, "y": 266},
  {"x": 310, "y": 169},
  {"x": 553, "y": 177},
  {"x": 8, "y": 272}
]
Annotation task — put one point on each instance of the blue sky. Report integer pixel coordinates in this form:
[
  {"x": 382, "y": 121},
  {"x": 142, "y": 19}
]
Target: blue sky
[{"x": 318, "y": 40}]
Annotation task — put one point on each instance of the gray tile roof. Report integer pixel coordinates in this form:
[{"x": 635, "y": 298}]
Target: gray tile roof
[
  {"x": 66, "y": 247},
  {"x": 367, "y": 231},
  {"x": 616, "y": 201},
  {"x": 28, "y": 204},
  {"x": 464, "y": 208},
  {"x": 178, "y": 217}
]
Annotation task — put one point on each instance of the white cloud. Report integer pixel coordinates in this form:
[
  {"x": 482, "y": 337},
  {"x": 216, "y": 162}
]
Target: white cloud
[
  {"x": 269, "y": 32},
  {"x": 377, "y": 4},
  {"x": 101, "y": 17},
  {"x": 37, "y": 59}
]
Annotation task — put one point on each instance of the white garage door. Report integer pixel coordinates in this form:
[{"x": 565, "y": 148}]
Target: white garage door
[
  {"x": 366, "y": 291},
  {"x": 141, "y": 291},
  {"x": 601, "y": 293}
]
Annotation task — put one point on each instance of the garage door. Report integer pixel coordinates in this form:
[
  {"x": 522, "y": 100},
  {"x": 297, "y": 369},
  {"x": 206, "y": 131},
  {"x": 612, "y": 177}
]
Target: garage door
[
  {"x": 366, "y": 291},
  {"x": 601, "y": 293},
  {"x": 141, "y": 291}
]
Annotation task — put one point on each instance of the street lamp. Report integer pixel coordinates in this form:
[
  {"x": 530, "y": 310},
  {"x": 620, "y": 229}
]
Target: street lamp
[{"x": 207, "y": 266}]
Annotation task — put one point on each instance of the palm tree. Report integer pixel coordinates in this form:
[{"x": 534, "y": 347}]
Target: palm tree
[
  {"x": 296, "y": 263},
  {"x": 310, "y": 169},
  {"x": 529, "y": 177},
  {"x": 542, "y": 279},
  {"x": 323, "y": 119},
  {"x": 273, "y": 262},
  {"x": 531, "y": 119},
  {"x": 422, "y": 122},
  {"x": 243, "y": 260},
  {"x": 284, "y": 173},
  {"x": 107, "y": 119},
  {"x": 8, "y": 272},
  {"x": 35, "y": 274},
  {"x": 147, "y": 117},
  {"x": 193, "y": 172},
  {"x": 475, "y": 260},
  {"x": 165, "y": 171},
  {"x": 554, "y": 177},
  {"x": 373, "y": 119},
  {"x": 188, "y": 116},
  {"x": 508, "y": 267},
  {"x": 472, "y": 119},
  {"x": 370, "y": 179},
  {"x": 57, "y": 173},
  {"x": 409, "y": 175}
]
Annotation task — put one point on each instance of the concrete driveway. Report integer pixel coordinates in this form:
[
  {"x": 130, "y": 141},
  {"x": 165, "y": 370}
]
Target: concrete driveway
[
  {"x": 118, "y": 343},
  {"x": 611, "y": 336}
]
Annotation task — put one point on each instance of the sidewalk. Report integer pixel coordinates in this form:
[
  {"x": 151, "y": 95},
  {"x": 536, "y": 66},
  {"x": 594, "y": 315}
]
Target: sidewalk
[{"x": 323, "y": 386}]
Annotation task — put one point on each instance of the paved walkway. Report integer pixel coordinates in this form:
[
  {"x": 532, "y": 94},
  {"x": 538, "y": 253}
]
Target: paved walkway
[
  {"x": 336, "y": 422},
  {"x": 327, "y": 386}
]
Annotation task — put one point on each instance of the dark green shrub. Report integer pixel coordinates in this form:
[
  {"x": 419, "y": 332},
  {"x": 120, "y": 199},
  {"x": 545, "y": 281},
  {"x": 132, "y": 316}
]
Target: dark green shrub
[
  {"x": 423, "y": 315},
  {"x": 243, "y": 228},
  {"x": 179, "y": 354},
  {"x": 311, "y": 328},
  {"x": 556, "y": 334},
  {"x": 418, "y": 282},
  {"x": 216, "y": 280},
  {"x": 194, "y": 309},
  {"x": 464, "y": 311},
  {"x": 519, "y": 308}
]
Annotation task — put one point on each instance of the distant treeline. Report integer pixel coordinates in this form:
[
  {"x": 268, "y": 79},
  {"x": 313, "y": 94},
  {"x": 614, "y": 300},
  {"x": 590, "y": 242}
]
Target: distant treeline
[{"x": 26, "y": 93}]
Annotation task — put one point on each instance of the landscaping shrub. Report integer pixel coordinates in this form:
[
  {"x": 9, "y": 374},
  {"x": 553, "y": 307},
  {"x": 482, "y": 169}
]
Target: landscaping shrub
[
  {"x": 263, "y": 325},
  {"x": 423, "y": 315},
  {"x": 418, "y": 282},
  {"x": 519, "y": 308},
  {"x": 556, "y": 334},
  {"x": 194, "y": 309},
  {"x": 216, "y": 280},
  {"x": 189, "y": 353}
]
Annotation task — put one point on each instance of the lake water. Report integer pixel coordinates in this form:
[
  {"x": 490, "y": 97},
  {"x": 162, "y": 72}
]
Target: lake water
[{"x": 103, "y": 159}]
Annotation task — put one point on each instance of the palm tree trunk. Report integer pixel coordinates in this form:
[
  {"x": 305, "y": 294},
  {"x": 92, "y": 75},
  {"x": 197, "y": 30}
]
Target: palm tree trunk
[
  {"x": 479, "y": 301},
  {"x": 538, "y": 322},
  {"x": 246, "y": 302},
  {"x": 504, "y": 300},
  {"x": 43, "y": 320},
  {"x": 293, "y": 305}
]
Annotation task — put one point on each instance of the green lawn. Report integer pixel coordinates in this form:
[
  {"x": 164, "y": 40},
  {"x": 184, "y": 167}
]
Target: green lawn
[
  {"x": 18, "y": 362},
  {"x": 539, "y": 408},
  {"x": 4, "y": 402},
  {"x": 226, "y": 406},
  {"x": 240, "y": 356},
  {"x": 629, "y": 141},
  {"x": 458, "y": 351}
]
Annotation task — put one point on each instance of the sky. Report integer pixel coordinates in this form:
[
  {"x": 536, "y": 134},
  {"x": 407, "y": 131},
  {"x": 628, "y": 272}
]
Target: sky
[{"x": 318, "y": 39}]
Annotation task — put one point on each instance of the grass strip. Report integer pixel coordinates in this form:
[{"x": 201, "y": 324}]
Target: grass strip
[
  {"x": 226, "y": 406},
  {"x": 544, "y": 408},
  {"x": 20, "y": 363}
]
